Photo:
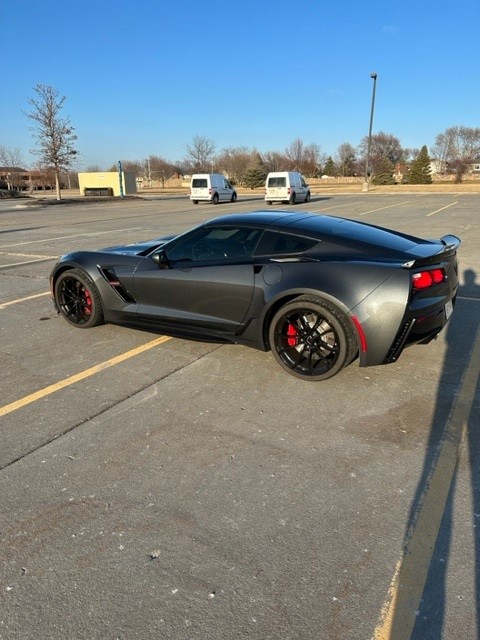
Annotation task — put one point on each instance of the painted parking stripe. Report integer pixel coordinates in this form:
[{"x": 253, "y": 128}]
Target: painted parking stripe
[
  {"x": 388, "y": 206},
  {"x": 18, "y": 300},
  {"x": 76, "y": 235},
  {"x": 438, "y": 210},
  {"x": 22, "y": 264},
  {"x": 398, "y": 615},
  {"x": 42, "y": 393}
]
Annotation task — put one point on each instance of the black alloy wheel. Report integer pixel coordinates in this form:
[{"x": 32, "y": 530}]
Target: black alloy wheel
[
  {"x": 78, "y": 299},
  {"x": 312, "y": 339}
]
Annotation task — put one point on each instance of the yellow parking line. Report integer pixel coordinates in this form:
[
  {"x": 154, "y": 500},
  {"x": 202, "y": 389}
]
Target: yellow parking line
[
  {"x": 398, "y": 615},
  {"x": 42, "y": 393},
  {"x": 35, "y": 295},
  {"x": 445, "y": 207}
]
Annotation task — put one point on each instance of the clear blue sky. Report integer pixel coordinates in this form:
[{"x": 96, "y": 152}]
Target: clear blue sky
[{"x": 143, "y": 77}]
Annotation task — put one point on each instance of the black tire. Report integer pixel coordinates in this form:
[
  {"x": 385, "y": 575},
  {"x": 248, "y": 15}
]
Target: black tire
[
  {"x": 307, "y": 197},
  {"x": 312, "y": 339},
  {"x": 215, "y": 198},
  {"x": 269, "y": 202},
  {"x": 195, "y": 201},
  {"x": 292, "y": 199},
  {"x": 78, "y": 299},
  {"x": 234, "y": 197}
]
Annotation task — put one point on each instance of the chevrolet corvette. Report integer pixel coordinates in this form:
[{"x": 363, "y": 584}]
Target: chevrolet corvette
[{"x": 318, "y": 291}]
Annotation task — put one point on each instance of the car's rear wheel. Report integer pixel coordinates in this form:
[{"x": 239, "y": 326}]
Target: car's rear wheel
[
  {"x": 311, "y": 339},
  {"x": 215, "y": 198},
  {"x": 78, "y": 299},
  {"x": 195, "y": 201},
  {"x": 269, "y": 202}
]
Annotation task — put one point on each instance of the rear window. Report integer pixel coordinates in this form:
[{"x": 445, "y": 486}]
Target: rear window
[
  {"x": 280, "y": 181},
  {"x": 275, "y": 243},
  {"x": 199, "y": 183}
]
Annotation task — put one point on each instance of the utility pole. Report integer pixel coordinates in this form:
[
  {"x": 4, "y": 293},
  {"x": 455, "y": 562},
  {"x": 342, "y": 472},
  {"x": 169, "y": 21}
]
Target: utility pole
[{"x": 366, "y": 183}]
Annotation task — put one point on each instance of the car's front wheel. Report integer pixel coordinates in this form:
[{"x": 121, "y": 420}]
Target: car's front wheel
[
  {"x": 234, "y": 197},
  {"x": 215, "y": 198},
  {"x": 311, "y": 339},
  {"x": 78, "y": 299}
]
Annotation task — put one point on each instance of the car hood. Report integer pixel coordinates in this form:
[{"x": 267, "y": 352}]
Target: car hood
[{"x": 138, "y": 248}]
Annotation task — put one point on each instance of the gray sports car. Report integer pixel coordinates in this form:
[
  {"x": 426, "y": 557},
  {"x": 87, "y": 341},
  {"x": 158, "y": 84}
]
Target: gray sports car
[{"x": 319, "y": 291}]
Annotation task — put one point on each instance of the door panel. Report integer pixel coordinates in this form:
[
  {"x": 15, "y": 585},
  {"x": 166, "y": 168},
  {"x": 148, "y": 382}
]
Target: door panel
[{"x": 215, "y": 296}]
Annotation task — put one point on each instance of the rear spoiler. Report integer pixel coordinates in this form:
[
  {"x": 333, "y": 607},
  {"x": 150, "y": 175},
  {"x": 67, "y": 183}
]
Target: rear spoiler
[
  {"x": 450, "y": 242},
  {"x": 450, "y": 245}
]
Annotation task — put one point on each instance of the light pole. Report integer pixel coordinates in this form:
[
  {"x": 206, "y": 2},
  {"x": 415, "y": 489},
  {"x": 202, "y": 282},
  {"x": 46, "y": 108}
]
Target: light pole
[{"x": 365, "y": 184}]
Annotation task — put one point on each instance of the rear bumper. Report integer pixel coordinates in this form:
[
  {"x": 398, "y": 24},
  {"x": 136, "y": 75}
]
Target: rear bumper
[{"x": 420, "y": 330}]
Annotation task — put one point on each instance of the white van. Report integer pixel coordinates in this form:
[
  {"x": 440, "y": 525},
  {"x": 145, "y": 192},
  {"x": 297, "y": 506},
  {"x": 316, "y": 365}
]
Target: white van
[
  {"x": 211, "y": 187},
  {"x": 286, "y": 186}
]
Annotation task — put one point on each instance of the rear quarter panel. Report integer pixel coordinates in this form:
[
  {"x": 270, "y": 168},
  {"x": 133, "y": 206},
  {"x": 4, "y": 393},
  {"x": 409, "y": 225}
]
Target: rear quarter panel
[{"x": 376, "y": 293}]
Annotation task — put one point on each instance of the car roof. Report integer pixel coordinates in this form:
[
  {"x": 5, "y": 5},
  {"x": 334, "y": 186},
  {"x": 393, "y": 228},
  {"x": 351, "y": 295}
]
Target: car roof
[
  {"x": 268, "y": 218},
  {"x": 322, "y": 226}
]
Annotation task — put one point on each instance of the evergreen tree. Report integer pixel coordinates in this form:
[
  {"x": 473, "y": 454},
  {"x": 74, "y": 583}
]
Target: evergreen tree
[
  {"x": 383, "y": 171},
  {"x": 420, "y": 171},
  {"x": 256, "y": 173},
  {"x": 330, "y": 169}
]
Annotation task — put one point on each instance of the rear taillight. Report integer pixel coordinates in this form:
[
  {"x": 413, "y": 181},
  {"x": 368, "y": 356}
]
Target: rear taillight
[{"x": 425, "y": 279}]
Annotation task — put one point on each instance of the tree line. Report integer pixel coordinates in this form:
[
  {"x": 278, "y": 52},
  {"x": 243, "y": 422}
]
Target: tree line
[{"x": 454, "y": 151}]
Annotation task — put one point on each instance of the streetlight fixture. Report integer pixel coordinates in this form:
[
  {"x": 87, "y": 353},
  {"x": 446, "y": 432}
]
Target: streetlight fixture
[{"x": 365, "y": 184}]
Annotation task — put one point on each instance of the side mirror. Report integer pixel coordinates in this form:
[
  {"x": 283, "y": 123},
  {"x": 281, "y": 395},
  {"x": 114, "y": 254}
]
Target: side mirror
[{"x": 160, "y": 259}]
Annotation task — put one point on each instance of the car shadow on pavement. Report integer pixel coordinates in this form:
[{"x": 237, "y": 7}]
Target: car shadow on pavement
[{"x": 418, "y": 607}]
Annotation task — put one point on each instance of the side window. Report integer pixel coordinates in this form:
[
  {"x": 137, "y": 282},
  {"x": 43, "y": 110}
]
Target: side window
[
  {"x": 274, "y": 243},
  {"x": 214, "y": 244}
]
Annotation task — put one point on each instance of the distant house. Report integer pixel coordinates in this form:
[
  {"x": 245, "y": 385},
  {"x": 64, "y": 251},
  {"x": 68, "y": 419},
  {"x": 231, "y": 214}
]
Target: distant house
[
  {"x": 19, "y": 179},
  {"x": 475, "y": 167}
]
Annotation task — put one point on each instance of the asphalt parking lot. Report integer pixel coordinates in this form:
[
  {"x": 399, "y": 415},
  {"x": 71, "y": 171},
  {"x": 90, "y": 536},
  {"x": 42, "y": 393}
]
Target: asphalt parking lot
[{"x": 152, "y": 487}]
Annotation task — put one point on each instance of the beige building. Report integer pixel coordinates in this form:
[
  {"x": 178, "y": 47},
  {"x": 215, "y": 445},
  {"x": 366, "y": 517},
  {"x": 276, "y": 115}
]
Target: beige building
[{"x": 107, "y": 183}]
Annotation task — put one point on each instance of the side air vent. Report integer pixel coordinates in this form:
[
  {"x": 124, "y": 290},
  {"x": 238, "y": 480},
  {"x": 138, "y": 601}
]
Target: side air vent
[
  {"x": 111, "y": 277},
  {"x": 399, "y": 342}
]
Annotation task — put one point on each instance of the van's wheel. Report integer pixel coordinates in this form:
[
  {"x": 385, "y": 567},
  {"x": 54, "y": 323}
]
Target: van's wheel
[
  {"x": 311, "y": 339},
  {"x": 269, "y": 202},
  {"x": 234, "y": 197},
  {"x": 307, "y": 197},
  {"x": 292, "y": 199},
  {"x": 215, "y": 198},
  {"x": 195, "y": 201}
]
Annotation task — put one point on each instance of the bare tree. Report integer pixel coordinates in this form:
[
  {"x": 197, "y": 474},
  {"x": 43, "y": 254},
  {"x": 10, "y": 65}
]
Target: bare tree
[
  {"x": 458, "y": 147},
  {"x": 312, "y": 158},
  {"x": 275, "y": 161},
  {"x": 385, "y": 146},
  {"x": 160, "y": 169},
  {"x": 200, "y": 153},
  {"x": 345, "y": 159},
  {"x": 303, "y": 158},
  {"x": 54, "y": 134},
  {"x": 11, "y": 160},
  {"x": 235, "y": 161},
  {"x": 295, "y": 152}
]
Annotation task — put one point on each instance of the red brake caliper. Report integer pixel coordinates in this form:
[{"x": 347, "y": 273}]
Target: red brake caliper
[
  {"x": 88, "y": 301},
  {"x": 292, "y": 333}
]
